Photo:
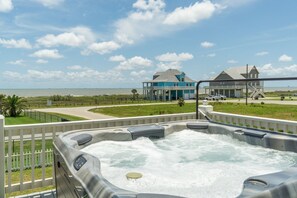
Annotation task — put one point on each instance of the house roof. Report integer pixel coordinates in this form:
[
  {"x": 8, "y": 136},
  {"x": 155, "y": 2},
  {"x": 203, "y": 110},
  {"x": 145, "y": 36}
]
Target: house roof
[
  {"x": 237, "y": 72},
  {"x": 169, "y": 76}
]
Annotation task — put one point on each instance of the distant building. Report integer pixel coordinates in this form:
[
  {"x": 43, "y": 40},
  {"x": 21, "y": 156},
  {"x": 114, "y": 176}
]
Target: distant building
[
  {"x": 169, "y": 85},
  {"x": 237, "y": 89}
]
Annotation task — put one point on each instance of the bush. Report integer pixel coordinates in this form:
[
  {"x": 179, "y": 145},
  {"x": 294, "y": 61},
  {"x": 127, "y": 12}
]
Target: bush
[{"x": 181, "y": 102}]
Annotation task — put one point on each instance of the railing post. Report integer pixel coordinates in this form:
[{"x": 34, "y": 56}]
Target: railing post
[{"x": 2, "y": 157}]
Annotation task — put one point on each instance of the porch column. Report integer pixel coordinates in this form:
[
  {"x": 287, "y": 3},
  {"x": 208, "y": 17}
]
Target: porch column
[
  {"x": 2, "y": 157},
  {"x": 169, "y": 97},
  {"x": 175, "y": 94}
]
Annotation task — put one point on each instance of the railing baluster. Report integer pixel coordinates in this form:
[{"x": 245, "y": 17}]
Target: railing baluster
[
  {"x": 33, "y": 157},
  {"x": 43, "y": 156},
  {"x": 21, "y": 159}
]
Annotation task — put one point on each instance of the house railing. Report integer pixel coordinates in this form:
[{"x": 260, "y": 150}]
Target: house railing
[
  {"x": 38, "y": 135},
  {"x": 269, "y": 124},
  {"x": 170, "y": 87}
]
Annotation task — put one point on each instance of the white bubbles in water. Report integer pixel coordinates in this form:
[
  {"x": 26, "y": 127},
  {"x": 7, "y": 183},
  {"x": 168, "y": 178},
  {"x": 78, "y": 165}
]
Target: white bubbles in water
[{"x": 187, "y": 163}]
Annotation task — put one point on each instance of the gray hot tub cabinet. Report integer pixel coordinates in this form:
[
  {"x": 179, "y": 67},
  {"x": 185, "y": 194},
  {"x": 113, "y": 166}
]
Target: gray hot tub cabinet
[{"x": 79, "y": 174}]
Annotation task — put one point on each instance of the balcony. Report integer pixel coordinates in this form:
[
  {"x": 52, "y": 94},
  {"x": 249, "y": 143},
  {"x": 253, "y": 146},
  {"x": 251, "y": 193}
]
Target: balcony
[{"x": 169, "y": 87}]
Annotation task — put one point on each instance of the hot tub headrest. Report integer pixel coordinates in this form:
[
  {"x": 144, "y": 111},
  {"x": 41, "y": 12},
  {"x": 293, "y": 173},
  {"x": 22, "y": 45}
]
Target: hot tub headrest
[
  {"x": 82, "y": 138},
  {"x": 197, "y": 125},
  {"x": 152, "y": 131},
  {"x": 254, "y": 133}
]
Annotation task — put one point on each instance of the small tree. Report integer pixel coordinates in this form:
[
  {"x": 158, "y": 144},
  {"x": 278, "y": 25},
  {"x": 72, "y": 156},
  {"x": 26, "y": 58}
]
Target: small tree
[
  {"x": 134, "y": 91},
  {"x": 181, "y": 102},
  {"x": 14, "y": 106},
  {"x": 2, "y": 98}
]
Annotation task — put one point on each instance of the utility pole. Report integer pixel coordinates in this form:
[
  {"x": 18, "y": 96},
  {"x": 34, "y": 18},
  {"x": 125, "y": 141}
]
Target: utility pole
[{"x": 246, "y": 84}]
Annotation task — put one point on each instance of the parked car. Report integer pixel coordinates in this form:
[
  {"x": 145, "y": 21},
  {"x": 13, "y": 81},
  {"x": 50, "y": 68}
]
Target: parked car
[
  {"x": 209, "y": 97},
  {"x": 222, "y": 97},
  {"x": 215, "y": 97}
]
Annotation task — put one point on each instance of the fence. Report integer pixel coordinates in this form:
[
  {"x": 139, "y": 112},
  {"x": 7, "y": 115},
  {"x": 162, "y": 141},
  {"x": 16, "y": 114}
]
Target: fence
[
  {"x": 46, "y": 131},
  {"x": 28, "y": 161},
  {"x": 43, "y": 117},
  {"x": 275, "y": 125}
]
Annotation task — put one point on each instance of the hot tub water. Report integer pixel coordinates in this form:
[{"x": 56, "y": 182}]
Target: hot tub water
[{"x": 187, "y": 163}]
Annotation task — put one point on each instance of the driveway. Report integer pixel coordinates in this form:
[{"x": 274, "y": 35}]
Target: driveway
[{"x": 85, "y": 113}]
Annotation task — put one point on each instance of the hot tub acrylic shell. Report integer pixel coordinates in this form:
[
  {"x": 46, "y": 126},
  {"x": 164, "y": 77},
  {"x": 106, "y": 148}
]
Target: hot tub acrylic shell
[{"x": 78, "y": 174}]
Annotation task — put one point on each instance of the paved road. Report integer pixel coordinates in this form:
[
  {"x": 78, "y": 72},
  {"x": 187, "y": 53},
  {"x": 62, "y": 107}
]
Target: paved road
[{"x": 85, "y": 113}]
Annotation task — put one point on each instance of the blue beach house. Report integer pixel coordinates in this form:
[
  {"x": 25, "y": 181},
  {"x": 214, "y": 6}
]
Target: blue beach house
[{"x": 169, "y": 85}]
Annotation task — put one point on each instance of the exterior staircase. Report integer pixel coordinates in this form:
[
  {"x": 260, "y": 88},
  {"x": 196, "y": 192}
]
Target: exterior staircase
[{"x": 256, "y": 92}]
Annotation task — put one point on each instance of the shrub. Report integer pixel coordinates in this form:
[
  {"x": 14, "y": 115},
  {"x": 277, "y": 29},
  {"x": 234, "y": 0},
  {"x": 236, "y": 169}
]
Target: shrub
[{"x": 181, "y": 102}]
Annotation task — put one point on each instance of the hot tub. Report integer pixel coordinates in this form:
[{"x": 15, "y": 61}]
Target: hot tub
[{"x": 199, "y": 159}]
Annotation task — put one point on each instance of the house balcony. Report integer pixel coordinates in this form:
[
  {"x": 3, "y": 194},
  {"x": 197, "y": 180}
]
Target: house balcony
[
  {"x": 220, "y": 87},
  {"x": 169, "y": 87}
]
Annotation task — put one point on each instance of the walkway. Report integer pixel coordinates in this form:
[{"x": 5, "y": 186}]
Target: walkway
[{"x": 85, "y": 113}]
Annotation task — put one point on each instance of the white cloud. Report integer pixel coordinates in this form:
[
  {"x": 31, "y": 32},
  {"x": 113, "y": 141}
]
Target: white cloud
[
  {"x": 46, "y": 53},
  {"x": 50, "y": 3},
  {"x": 84, "y": 75},
  {"x": 17, "y": 62},
  {"x": 168, "y": 65},
  {"x": 262, "y": 53},
  {"x": 207, "y": 44},
  {"x": 211, "y": 55},
  {"x": 12, "y": 43},
  {"x": 102, "y": 48},
  {"x": 139, "y": 74},
  {"x": 74, "y": 37},
  {"x": 133, "y": 63},
  {"x": 150, "y": 20},
  {"x": 232, "y": 61},
  {"x": 149, "y": 5},
  {"x": 6, "y": 5},
  {"x": 285, "y": 58},
  {"x": 118, "y": 58},
  {"x": 173, "y": 57},
  {"x": 192, "y": 14},
  {"x": 41, "y": 61},
  {"x": 68, "y": 39},
  {"x": 270, "y": 70},
  {"x": 77, "y": 67}
]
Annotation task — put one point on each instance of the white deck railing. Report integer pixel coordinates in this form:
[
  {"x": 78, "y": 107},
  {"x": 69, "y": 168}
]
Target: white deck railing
[
  {"x": 39, "y": 133},
  {"x": 269, "y": 124}
]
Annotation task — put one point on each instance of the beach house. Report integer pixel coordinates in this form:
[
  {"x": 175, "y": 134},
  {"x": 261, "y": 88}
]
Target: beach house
[
  {"x": 169, "y": 85},
  {"x": 237, "y": 89}
]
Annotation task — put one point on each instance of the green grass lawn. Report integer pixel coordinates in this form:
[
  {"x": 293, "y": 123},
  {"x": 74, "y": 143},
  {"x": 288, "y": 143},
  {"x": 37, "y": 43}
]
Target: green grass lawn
[
  {"x": 28, "y": 120},
  {"x": 130, "y": 111},
  {"x": 20, "y": 120},
  {"x": 68, "y": 117},
  {"x": 15, "y": 178},
  {"x": 287, "y": 112}
]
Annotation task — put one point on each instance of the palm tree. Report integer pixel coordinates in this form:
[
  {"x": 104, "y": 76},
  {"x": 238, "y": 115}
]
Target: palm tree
[
  {"x": 14, "y": 106},
  {"x": 134, "y": 91}
]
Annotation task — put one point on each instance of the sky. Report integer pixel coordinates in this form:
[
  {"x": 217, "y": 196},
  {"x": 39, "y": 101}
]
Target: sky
[{"x": 121, "y": 43}]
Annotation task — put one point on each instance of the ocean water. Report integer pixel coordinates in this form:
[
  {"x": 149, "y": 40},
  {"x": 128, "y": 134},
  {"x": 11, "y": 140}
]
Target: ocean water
[
  {"x": 68, "y": 91},
  {"x": 98, "y": 91}
]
